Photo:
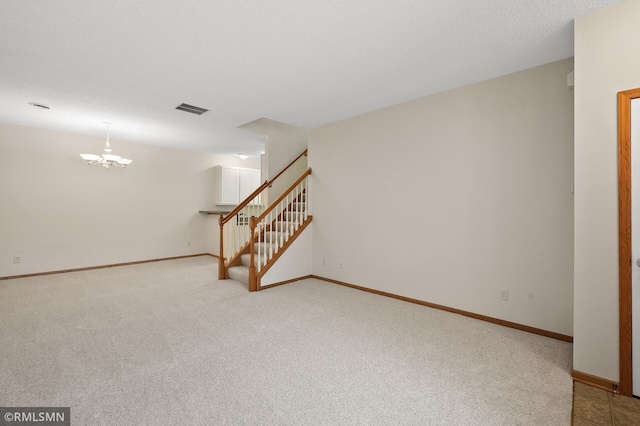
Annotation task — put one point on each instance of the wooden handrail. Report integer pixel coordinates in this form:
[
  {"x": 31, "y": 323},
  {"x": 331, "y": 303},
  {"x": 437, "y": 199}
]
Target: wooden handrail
[
  {"x": 284, "y": 194},
  {"x": 266, "y": 184},
  {"x": 286, "y": 168},
  {"x": 243, "y": 204}
]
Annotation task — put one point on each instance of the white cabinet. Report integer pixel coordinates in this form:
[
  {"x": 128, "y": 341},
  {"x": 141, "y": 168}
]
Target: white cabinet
[
  {"x": 228, "y": 180},
  {"x": 234, "y": 184},
  {"x": 249, "y": 181}
]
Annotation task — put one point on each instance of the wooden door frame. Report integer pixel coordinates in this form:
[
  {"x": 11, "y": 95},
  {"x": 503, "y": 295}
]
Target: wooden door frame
[{"x": 625, "y": 260}]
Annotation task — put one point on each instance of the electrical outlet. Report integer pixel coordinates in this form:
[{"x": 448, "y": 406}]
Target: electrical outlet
[
  {"x": 504, "y": 295},
  {"x": 17, "y": 259},
  {"x": 341, "y": 264},
  {"x": 189, "y": 244},
  {"x": 324, "y": 261}
]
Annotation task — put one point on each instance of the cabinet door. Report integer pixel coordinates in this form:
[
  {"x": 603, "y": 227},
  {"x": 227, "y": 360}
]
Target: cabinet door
[
  {"x": 229, "y": 183},
  {"x": 249, "y": 181}
]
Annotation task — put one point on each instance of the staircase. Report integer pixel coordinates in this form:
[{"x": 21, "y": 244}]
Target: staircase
[
  {"x": 271, "y": 241},
  {"x": 249, "y": 248}
]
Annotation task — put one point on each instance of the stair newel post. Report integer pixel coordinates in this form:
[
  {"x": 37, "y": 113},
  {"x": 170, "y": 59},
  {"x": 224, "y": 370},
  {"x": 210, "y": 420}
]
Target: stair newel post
[
  {"x": 253, "y": 278},
  {"x": 221, "y": 272}
]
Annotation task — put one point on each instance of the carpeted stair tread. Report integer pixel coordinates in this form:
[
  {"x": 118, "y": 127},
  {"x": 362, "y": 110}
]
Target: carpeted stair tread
[
  {"x": 293, "y": 216},
  {"x": 246, "y": 259},
  {"x": 240, "y": 274},
  {"x": 263, "y": 247},
  {"x": 299, "y": 206},
  {"x": 284, "y": 226},
  {"x": 274, "y": 236}
]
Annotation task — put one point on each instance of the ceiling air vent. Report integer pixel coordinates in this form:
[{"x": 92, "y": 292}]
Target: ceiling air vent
[
  {"x": 192, "y": 109},
  {"x": 37, "y": 105}
]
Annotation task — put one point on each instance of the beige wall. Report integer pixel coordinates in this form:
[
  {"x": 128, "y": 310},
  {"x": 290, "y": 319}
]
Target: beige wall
[
  {"x": 607, "y": 60},
  {"x": 294, "y": 263},
  {"x": 454, "y": 197},
  {"x": 283, "y": 144},
  {"x": 57, "y": 212},
  {"x": 288, "y": 178}
]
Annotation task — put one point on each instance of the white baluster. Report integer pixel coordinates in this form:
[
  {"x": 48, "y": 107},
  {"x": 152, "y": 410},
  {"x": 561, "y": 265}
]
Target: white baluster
[
  {"x": 306, "y": 206},
  {"x": 270, "y": 245},
  {"x": 285, "y": 212},
  {"x": 302, "y": 203},
  {"x": 266, "y": 252},
  {"x": 295, "y": 214},
  {"x": 261, "y": 244},
  {"x": 276, "y": 227},
  {"x": 227, "y": 235},
  {"x": 291, "y": 213},
  {"x": 256, "y": 253},
  {"x": 282, "y": 222},
  {"x": 298, "y": 213},
  {"x": 272, "y": 240}
]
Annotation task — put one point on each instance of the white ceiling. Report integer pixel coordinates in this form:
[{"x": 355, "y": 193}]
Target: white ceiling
[{"x": 301, "y": 62}]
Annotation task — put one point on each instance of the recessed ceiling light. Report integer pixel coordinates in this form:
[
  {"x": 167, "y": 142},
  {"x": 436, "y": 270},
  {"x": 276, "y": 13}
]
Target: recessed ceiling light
[
  {"x": 43, "y": 106},
  {"x": 243, "y": 156}
]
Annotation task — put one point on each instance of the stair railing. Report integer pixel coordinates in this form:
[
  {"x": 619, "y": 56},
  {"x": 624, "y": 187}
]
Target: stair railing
[
  {"x": 278, "y": 224},
  {"x": 234, "y": 227}
]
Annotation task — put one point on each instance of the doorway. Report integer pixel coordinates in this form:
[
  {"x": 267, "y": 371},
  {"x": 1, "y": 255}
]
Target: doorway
[{"x": 627, "y": 261}]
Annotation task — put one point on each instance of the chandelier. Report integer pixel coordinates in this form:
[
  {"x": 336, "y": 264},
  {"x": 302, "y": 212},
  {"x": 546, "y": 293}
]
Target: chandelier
[{"x": 106, "y": 160}]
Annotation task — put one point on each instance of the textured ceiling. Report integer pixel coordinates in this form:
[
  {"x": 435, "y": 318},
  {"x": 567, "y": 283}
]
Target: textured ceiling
[{"x": 301, "y": 62}]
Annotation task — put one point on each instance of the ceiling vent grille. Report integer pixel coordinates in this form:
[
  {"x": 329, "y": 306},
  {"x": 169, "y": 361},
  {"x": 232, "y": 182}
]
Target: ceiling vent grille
[
  {"x": 43, "y": 106},
  {"x": 192, "y": 109}
]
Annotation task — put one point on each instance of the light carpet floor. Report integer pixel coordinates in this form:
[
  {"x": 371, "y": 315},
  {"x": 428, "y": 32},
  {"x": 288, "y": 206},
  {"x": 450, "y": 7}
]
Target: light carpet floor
[{"x": 165, "y": 343}]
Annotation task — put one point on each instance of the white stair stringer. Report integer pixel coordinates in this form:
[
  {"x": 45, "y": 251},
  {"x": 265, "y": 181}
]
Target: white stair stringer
[{"x": 294, "y": 263}]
